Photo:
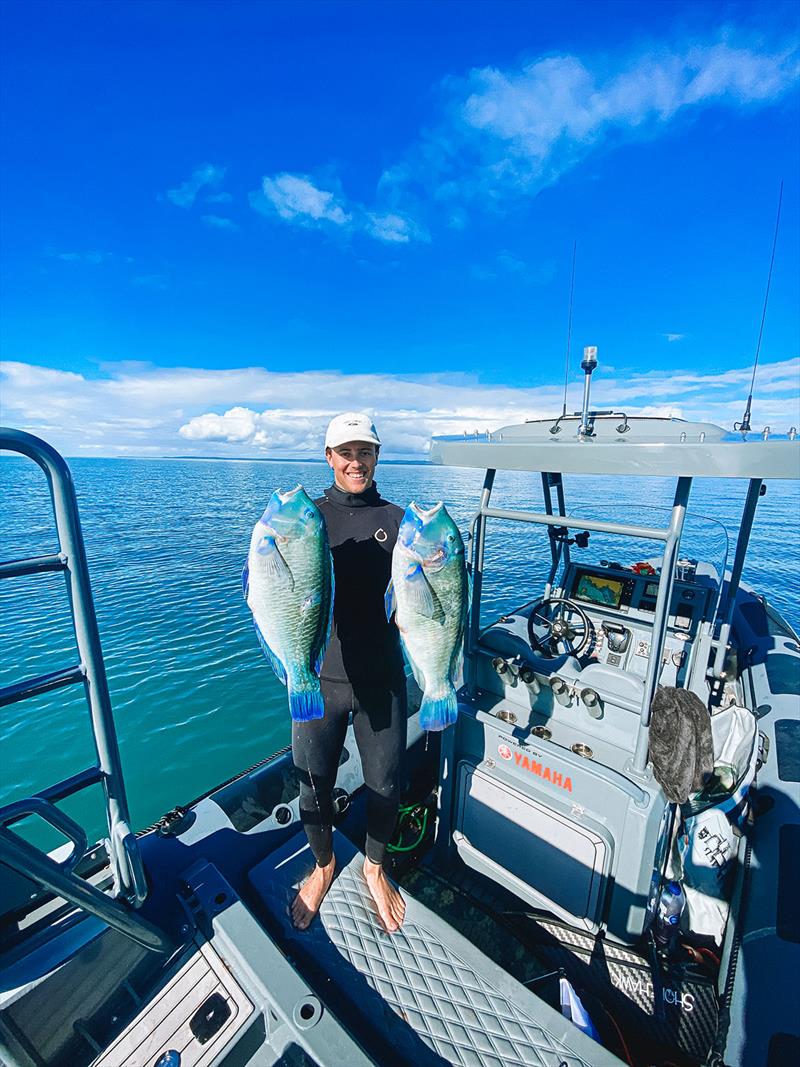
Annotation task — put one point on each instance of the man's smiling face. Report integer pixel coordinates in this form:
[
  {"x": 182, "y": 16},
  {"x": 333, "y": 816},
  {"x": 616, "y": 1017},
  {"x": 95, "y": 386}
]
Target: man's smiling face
[{"x": 353, "y": 465}]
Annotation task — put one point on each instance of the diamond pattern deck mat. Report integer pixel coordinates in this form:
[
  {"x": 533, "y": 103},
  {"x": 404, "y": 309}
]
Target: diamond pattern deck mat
[{"x": 425, "y": 992}]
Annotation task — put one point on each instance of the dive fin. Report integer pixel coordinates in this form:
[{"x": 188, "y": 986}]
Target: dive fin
[
  {"x": 440, "y": 712},
  {"x": 420, "y": 594},
  {"x": 272, "y": 659}
]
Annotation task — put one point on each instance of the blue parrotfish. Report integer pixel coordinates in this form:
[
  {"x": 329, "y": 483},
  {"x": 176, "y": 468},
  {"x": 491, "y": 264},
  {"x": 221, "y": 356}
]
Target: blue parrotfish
[
  {"x": 288, "y": 585},
  {"x": 428, "y": 595}
]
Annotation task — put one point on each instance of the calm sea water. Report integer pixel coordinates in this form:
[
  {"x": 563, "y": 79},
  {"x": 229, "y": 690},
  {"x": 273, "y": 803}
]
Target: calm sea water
[{"x": 194, "y": 700}]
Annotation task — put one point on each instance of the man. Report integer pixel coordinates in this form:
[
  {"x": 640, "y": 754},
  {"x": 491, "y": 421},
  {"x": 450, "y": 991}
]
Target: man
[{"x": 363, "y": 673}]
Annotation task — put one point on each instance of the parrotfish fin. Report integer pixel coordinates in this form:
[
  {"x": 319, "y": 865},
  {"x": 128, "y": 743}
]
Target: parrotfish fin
[
  {"x": 328, "y": 589},
  {"x": 389, "y": 601},
  {"x": 438, "y": 713},
  {"x": 272, "y": 659},
  {"x": 419, "y": 677},
  {"x": 420, "y": 594},
  {"x": 274, "y": 563},
  {"x": 246, "y": 579},
  {"x": 306, "y": 704},
  {"x": 457, "y": 667}
]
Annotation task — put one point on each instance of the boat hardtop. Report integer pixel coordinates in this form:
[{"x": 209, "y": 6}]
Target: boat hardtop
[{"x": 563, "y": 907}]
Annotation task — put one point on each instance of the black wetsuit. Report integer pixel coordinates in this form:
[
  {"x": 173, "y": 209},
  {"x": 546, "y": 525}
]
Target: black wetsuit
[{"x": 362, "y": 674}]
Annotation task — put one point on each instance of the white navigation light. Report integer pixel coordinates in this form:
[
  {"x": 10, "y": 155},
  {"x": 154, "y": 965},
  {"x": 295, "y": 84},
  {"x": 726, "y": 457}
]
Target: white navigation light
[{"x": 588, "y": 364}]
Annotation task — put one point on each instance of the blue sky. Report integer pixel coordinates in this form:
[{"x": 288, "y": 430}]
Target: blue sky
[{"x": 222, "y": 223}]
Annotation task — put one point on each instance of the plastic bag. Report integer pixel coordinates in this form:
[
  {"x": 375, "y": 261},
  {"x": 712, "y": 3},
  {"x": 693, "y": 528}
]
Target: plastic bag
[{"x": 707, "y": 841}]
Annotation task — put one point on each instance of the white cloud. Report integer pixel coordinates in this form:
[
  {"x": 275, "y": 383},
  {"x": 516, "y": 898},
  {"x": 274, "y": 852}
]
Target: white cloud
[
  {"x": 217, "y": 222},
  {"x": 517, "y": 130},
  {"x": 295, "y": 198},
  {"x": 136, "y": 408},
  {"x": 236, "y": 425},
  {"x": 674, "y": 336},
  {"x": 218, "y": 198},
  {"x": 207, "y": 174},
  {"x": 390, "y": 226},
  {"x": 508, "y": 132}
]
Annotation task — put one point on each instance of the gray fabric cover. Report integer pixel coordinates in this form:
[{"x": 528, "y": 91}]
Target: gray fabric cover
[{"x": 681, "y": 745}]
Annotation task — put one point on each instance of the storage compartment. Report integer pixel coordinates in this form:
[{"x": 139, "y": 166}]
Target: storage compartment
[
  {"x": 197, "y": 1015},
  {"x": 532, "y": 849}
]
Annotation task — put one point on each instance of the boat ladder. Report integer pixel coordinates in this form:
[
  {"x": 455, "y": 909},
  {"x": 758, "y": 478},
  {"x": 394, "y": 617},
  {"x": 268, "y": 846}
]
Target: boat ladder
[{"x": 58, "y": 875}]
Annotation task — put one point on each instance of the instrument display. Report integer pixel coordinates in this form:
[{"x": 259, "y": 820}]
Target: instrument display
[
  {"x": 635, "y": 594},
  {"x": 599, "y": 590}
]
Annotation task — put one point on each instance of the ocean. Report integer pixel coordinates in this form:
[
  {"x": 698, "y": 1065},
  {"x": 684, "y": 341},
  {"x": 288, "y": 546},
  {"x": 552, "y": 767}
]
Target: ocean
[{"x": 194, "y": 700}]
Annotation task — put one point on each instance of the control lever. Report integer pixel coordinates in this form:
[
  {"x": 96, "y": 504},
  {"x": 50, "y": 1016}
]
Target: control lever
[{"x": 618, "y": 637}]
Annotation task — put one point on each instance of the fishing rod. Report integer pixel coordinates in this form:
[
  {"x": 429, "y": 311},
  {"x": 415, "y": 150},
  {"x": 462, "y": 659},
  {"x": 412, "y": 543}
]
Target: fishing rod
[
  {"x": 569, "y": 327},
  {"x": 744, "y": 425}
]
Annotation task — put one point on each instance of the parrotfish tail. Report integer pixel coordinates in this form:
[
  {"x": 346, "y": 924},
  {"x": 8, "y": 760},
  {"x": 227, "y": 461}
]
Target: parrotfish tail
[
  {"x": 306, "y": 703},
  {"x": 437, "y": 713}
]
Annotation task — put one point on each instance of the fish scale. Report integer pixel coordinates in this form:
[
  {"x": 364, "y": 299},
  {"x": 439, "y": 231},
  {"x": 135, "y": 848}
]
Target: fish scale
[
  {"x": 428, "y": 592},
  {"x": 288, "y": 585}
]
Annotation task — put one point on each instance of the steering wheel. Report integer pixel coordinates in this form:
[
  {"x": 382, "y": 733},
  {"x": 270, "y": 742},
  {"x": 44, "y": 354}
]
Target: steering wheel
[{"x": 558, "y": 627}]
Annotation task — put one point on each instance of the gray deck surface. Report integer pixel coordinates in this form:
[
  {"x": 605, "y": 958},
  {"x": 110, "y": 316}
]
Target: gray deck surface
[{"x": 422, "y": 996}]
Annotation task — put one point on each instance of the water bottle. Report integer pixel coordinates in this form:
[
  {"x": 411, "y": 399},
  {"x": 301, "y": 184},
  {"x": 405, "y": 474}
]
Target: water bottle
[{"x": 671, "y": 902}]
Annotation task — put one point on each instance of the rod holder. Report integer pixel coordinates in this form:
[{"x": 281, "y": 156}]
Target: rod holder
[
  {"x": 561, "y": 691},
  {"x": 528, "y": 678},
  {"x": 592, "y": 703}
]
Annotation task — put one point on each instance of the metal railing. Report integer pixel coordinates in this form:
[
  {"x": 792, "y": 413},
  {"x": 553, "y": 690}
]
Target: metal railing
[
  {"x": 670, "y": 536},
  {"x": 123, "y": 850}
]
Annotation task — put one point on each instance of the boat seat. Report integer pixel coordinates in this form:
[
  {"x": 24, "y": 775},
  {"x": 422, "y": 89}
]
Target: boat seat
[
  {"x": 613, "y": 682},
  {"x": 424, "y": 995}
]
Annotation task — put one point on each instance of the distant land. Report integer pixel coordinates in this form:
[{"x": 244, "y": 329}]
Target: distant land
[{"x": 283, "y": 459}]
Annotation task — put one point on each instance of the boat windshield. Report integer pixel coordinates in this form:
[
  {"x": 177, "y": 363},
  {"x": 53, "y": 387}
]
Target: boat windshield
[{"x": 517, "y": 557}]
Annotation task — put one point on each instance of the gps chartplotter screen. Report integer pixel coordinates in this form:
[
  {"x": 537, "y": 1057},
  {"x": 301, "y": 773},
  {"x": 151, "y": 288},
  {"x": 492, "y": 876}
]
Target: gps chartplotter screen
[{"x": 596, "y": 590}]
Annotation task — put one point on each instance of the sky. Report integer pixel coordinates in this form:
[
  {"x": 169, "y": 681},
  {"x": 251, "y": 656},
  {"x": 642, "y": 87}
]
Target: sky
[{"x": 224, "y": 223}]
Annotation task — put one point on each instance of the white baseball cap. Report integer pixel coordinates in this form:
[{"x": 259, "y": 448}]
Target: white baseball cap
[{"x": 351, "y": 426}]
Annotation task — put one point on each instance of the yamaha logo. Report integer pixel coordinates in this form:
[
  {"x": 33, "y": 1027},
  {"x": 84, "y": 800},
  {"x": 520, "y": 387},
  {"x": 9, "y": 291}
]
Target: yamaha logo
[{"x": 504, "y": 751}]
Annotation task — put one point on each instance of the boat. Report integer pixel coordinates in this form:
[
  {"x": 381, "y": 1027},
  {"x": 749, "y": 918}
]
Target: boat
[{"x": 537, "y": 847}]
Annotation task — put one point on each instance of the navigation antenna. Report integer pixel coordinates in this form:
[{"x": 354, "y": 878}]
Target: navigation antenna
[
  {"x": 744, "y": 425},
  {"x": 569, "y": 328}
]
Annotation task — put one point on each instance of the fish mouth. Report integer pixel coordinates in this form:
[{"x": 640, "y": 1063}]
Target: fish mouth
[
  {"x": 284, "y": 497},
  {"x": 423, "y": 513},
  {"x": 435, "y": 561}
]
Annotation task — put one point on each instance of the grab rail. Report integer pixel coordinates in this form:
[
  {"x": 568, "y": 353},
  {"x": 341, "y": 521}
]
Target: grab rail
[
  {"x": 126, "y": 865},
  {"x": 669, "y": 535}
]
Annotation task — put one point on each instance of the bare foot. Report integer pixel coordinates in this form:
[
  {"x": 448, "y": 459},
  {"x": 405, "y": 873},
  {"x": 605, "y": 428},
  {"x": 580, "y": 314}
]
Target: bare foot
[
  {"x": 391, "y": 906},
  {"x": 311, "y": 894}
]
